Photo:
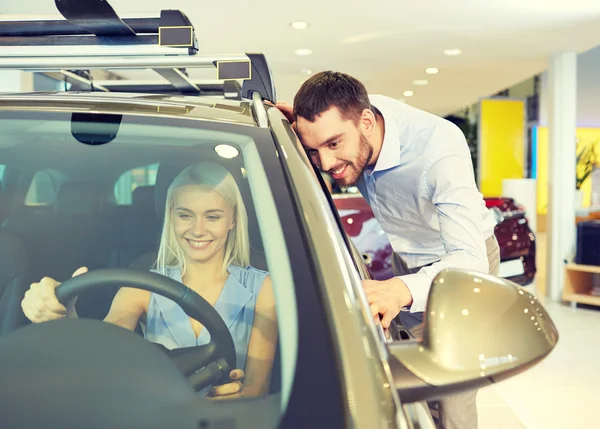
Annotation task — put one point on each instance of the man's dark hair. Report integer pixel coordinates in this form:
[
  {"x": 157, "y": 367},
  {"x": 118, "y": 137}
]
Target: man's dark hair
[{"x": 329, "y": 89}]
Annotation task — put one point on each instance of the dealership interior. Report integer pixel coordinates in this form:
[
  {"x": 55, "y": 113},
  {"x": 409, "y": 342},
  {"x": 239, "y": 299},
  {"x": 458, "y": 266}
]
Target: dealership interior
[{"x": 520, "y": 80}]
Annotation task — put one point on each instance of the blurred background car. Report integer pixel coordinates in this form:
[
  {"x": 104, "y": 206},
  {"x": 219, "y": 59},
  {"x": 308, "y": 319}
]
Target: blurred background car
[{"x": 515, "y": 238}]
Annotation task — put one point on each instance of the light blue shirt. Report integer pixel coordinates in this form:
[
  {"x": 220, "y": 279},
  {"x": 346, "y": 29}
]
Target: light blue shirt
[
  {"x": 167, "y": 323},
  {"x": 422, "y": 191}
]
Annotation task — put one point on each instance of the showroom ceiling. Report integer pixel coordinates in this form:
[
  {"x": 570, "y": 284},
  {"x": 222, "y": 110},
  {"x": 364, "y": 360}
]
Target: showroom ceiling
[{"x": 388, "y": 44}]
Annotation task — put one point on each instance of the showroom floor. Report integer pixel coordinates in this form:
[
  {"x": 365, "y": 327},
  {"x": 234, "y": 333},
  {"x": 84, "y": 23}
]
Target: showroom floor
[{"x": 562, "y": 391}]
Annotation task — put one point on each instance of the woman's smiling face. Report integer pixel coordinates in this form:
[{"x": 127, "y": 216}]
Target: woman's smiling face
[{"x": 202, "y": 220}]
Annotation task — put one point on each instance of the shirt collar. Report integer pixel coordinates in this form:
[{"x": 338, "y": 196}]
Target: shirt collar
[{"x": 389, "y": 156}]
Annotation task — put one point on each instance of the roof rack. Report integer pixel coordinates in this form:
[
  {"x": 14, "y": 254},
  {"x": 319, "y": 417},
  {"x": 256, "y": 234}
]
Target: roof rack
[
  {"x": 93, "y": 36},
  {"x": 83, "y": 81}
]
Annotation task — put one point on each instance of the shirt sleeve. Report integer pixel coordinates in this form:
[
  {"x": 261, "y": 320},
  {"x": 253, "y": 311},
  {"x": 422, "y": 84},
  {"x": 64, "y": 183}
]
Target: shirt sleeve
[{"x": 450, "y": 184}]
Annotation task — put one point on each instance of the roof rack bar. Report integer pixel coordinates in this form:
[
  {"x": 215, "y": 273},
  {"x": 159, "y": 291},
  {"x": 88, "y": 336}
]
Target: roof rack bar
[
  {"x": 262, "y": 119},
  {"x": 77, "y": 82},
  {"x": 113, "y": 62},
  {"x": 61, "y": 27},
  {"x": 228, "y": 89},
  {"x": 90, "y": 42},
  {"x": 179, "y": 80}
]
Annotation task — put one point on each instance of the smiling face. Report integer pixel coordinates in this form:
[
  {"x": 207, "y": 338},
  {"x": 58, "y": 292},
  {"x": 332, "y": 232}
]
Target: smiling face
[
  {"x": 337, "y": 145},
  {"x": 202, "y": 220}
]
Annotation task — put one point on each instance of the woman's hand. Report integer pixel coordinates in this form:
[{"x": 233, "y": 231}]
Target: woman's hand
[
  {"x": 229, "y": 390},
  {"x": 40, "y": 303}
]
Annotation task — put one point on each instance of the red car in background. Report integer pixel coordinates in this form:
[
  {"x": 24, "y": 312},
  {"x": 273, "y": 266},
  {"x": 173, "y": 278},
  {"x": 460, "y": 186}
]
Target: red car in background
[{"x": 516, "y": 240}]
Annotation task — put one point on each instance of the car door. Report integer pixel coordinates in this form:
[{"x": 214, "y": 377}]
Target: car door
[
  {"x": 395, "y": 332},
  {"x": 409, "y": 415}
]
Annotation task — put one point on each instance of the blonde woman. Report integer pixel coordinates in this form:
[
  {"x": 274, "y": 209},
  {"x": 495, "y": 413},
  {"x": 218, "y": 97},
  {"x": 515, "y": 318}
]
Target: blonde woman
[{"x": 205, "y": 246}]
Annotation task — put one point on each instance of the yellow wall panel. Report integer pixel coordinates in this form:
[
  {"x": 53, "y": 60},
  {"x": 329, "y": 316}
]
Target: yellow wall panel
[
  {"x": 501, "y": 143},
  {"x": 583, "y": 134}
]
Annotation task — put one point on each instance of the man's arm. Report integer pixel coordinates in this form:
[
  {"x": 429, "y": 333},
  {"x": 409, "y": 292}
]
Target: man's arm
[{"x": 451, "y": 187}]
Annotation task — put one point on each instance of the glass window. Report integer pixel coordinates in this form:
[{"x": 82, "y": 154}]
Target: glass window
[
  {"x": 233, "y": 203},
  {"x": 44, "y": 187},
  {"x": 2, "y": 168},
  {"x": 130, "y": 180}
]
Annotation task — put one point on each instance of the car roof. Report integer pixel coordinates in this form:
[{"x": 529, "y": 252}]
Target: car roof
[{"x": 197, "y": 107}]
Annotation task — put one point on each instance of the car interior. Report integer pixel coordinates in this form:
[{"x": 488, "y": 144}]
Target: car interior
[{"x": 65, "y": 204}]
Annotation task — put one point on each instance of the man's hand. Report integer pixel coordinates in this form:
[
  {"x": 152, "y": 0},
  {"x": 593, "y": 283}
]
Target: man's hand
[
  {"x": 287, "y": 110},
  {"x": 386, "y": 298}
]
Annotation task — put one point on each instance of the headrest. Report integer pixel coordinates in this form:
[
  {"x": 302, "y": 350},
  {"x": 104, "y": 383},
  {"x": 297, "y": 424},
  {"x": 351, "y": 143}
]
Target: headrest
[
  {"x": 142, "y": 198},
  {"x": 80, "y": 198}
]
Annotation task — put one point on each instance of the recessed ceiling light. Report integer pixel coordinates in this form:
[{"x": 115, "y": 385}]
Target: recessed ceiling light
[
  {"x": 431, "y": 70},
  {"x": 303, "y": 52},
  {"x": 452, "y": 52},
  {"x": 420, "y": 82},
  {"x": 226, "y": 151},
  {"x": 408, "y": 93},
  {"x": 306, "y": 71},
  {"x": 299, "y": 25}
]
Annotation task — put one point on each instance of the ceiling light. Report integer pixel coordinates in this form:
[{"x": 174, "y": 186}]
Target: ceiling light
[
  {"x": 306, "y": 71},
  {"x": 431, "y": 70},
  {"x": 303, "y": 52},
  {"x": 420, "y": 82},
  {"x": 299, "y": 25},
  {"x": 452, "y": 52},
  {"x": 226, "y": 151},
  {"x": 408, "y": 93}
]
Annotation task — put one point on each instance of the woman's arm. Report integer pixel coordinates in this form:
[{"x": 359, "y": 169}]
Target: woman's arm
[
  {"x": 40, "y": 304},
  {"x": 261, "y": 351},
  {"x": 127, "y": 307},
  {"x": 263, "y": 340}
]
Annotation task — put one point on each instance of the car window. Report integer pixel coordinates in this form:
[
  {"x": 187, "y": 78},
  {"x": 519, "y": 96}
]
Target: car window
[
  {"x": 182, "y": 176},
  {"x": 326, "y": 182},
  {"x": 132, "y": 179},
  {"x": 44, "y": 187},
  {"x": 335, "y": 189}
]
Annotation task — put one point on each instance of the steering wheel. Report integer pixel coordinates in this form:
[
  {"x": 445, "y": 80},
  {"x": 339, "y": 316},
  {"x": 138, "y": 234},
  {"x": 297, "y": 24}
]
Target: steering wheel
[{"x": 205, "y": 365}]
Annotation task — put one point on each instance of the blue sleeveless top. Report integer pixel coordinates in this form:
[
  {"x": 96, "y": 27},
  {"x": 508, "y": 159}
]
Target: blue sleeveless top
[{"x": 167, "y": 323}]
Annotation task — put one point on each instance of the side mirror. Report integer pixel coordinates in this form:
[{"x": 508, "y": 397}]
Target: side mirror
[{"x": 479, "y": 329}]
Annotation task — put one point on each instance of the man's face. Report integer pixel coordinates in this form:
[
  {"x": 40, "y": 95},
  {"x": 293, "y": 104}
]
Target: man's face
[{"x": 336, "y": 145}]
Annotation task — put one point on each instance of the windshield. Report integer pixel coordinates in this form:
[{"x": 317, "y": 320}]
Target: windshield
[{"x": 185, "y": 199}]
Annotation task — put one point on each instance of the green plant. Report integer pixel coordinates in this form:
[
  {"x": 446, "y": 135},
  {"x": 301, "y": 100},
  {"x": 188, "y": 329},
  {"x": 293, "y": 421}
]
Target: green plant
[{"x": 586, "y": 160}]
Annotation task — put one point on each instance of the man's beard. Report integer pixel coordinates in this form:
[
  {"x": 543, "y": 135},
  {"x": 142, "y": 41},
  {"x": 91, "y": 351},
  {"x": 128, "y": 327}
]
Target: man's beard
[{"x": 357, "y": 168}]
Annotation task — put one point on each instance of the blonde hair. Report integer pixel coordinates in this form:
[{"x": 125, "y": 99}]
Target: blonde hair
[{"x": 214, "y": 177}]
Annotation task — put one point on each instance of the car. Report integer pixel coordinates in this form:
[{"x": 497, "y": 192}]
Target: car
[
  {"x": 85, "y": 180},
  {"x": 517, "y": 241},
  {"x": 515, "y": 238}
]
